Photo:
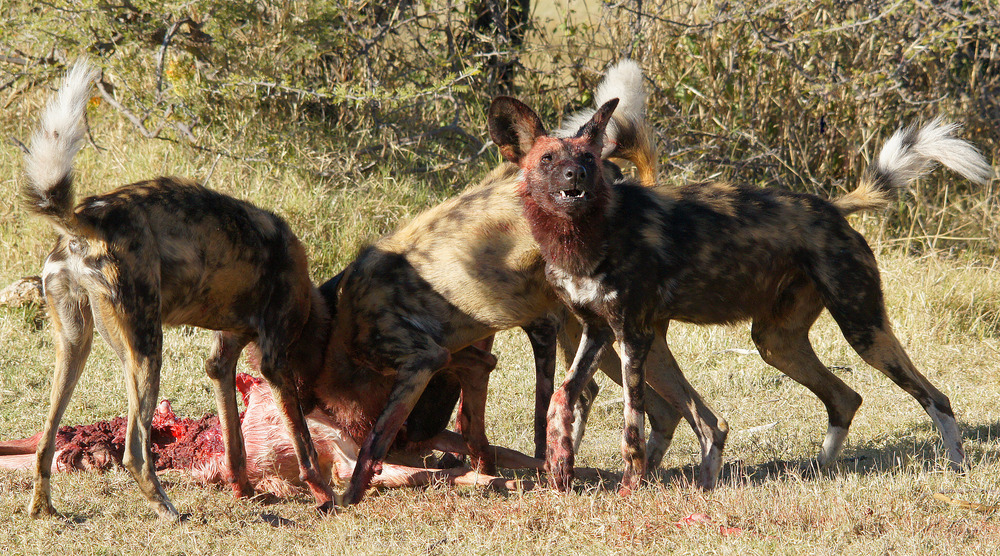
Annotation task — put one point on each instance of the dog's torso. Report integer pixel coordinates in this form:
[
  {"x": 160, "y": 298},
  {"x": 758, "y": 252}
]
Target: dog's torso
[
  {"x": 194, "y": 256},
  {"x": 709, "y": 253},
  {"x": 457, "y": 273}
]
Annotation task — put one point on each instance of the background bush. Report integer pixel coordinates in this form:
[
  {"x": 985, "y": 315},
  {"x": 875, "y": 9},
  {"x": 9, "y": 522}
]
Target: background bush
[{"x": 781, "y": 92}]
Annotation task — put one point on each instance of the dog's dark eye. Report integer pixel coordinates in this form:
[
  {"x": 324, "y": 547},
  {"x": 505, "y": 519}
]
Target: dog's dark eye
[
  {"x": 546, "y": 158},
  {"x": 587, "y": 157}
]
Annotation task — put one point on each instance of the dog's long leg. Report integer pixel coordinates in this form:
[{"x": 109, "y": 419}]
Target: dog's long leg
[
  {"x": 448, "y": 441},
  {"x": 131, "y": 325},
  {"x": 663, "y": 417},
  {"x": 142, "y": 387},
  {"x": 395, "y": 476},
  {"x": 73, "y": 327},
  {"x": 786, "y": 347},
  {"x": 474, "y": 375},
  {"x": 559, "y": 455},
  {"x": 885, "y": 353},
  {"x": 851, "y": 289},
  {"x": 635, "y": 347},
  {"x": 568, "y": 341},
  {"x": 412, "y": 377},
  {"x": 664, "y": 377},
  {"x": 542, "y": 336},
  {"x": 274, "y": 367},
  {"x": 221, "y": 369}
]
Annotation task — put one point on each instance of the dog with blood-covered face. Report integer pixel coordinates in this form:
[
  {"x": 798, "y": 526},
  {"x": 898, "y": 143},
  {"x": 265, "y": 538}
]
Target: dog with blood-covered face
[
  {"x": 628, "y": 259},
  {"x": 466, "y": 269}
]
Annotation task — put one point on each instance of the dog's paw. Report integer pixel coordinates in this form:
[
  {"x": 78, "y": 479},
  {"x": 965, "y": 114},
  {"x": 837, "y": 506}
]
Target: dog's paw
[
  {"x": 42, "y": 508},
  {"x": 352, "y": 495},
  {"x": 560, "y": 471},
  {"x": 483, "y": 462},
  {"x": 327, "y": 508},
  {"x": 245, "y": 490},
  {"x": 519, "y": 485},
  {"x": 630, "y": 483},
  {"x": 166, "y": 512},
  {"x": 266, "y": 498}
]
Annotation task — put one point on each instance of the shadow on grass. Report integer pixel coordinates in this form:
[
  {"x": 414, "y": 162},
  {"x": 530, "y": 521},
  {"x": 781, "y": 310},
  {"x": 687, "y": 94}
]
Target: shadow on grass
[{"x": 919, "y": 446}]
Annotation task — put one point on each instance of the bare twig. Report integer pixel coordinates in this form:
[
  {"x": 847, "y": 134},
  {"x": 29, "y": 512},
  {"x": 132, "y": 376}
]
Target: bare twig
[
  {"x": 211, "y": 170},
  {"x": 856, "y": 24},
  {"x": 90, "y": 135},
  {"x": 16, "y": 60},
  {"x": 454, "y": 163},
  {"x": 64, "y": 9},
  {"x": 110, "y": 99},
  {"x": 167, "y": 37},
  {"x": 181, "y": 127},
  {"x": 325, "y": 96},
  {"x": 416, "y": 139},
  {"x": 9, "y": 83},
  {"x": 16, "y": 142},
  {"x": 623, "y": 6}
]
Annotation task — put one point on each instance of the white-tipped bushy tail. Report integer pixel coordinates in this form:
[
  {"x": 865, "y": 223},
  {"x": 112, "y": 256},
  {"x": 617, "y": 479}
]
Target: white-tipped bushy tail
[
  {"x": 623, "y": 81},
  {"x": 909, "y": 154},
  {"x": 627, "y": 135},
  {"x": 60, "y": 133}
]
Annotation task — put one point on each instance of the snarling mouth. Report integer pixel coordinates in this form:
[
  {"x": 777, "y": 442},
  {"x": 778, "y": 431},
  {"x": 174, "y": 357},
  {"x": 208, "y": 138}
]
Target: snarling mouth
[{"x": 572, "y": 194}]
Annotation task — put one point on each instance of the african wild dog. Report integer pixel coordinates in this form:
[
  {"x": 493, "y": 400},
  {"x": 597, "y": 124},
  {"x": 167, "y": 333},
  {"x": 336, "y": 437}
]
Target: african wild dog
[
  {"x": 460, "y": 272},
  {"x": 166, "y": 252},
  {"x": 628, "y": 259}
]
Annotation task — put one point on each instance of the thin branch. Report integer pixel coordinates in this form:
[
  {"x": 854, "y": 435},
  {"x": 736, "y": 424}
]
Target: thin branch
[
  {"x": 16, "y": 60},
  {"x": 167, "y": 37},
  {"x": 71, "y": 11},
  {"x": 9, "y": 83},
  {"x": 110, "y": 99},
  {"x": 17, "y": 142},
  {"x": 857, "y": 23},
  {"x": 323, "y": 96},
  {"x": 416, "y": 139},
  {"x": 181, "y": 127},
  {"x": 211, "y": 171},
  {"x": 623, "y": 6},
  {"x": 454, "y": 163},
  {"x": 90, "y": 135},
  {"x": 125, "y": 111}
]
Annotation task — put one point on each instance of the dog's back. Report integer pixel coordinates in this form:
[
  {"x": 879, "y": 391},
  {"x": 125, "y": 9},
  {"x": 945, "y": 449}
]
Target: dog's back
[
  {"x": 476, "y": 251},
  {"x": 212, "y": 256},
  {"x": 714, "y": 253}
]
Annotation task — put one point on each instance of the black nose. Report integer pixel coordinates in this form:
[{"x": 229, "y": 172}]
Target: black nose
[{"x": 573, "y": 174}]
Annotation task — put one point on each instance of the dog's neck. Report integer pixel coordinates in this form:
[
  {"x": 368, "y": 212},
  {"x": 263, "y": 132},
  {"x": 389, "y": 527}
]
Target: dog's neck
[{"x": 574, "y": 245}]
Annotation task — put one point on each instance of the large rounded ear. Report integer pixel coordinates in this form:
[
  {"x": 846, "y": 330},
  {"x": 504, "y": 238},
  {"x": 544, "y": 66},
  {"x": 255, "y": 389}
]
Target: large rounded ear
[
  {"x": 593, "y": 131},
  {"x": 513, "y": 127}
]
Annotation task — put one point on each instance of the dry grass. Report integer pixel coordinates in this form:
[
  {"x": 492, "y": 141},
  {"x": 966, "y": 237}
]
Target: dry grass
[
  {"x": 945, "y": 305},
  {"x": 878, "y": 500}
]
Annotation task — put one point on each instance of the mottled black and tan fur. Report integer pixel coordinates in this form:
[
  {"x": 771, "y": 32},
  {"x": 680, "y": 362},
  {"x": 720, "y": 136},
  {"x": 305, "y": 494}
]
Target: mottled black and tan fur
[
  {"x": 629, "y": 259},
  {"x": 167, "y": 252},
  {"x": 456, "y": 274}
]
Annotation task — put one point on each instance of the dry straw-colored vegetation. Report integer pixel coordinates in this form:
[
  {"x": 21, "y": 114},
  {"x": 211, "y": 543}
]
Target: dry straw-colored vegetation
[{"x": 347, "y": 117}]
